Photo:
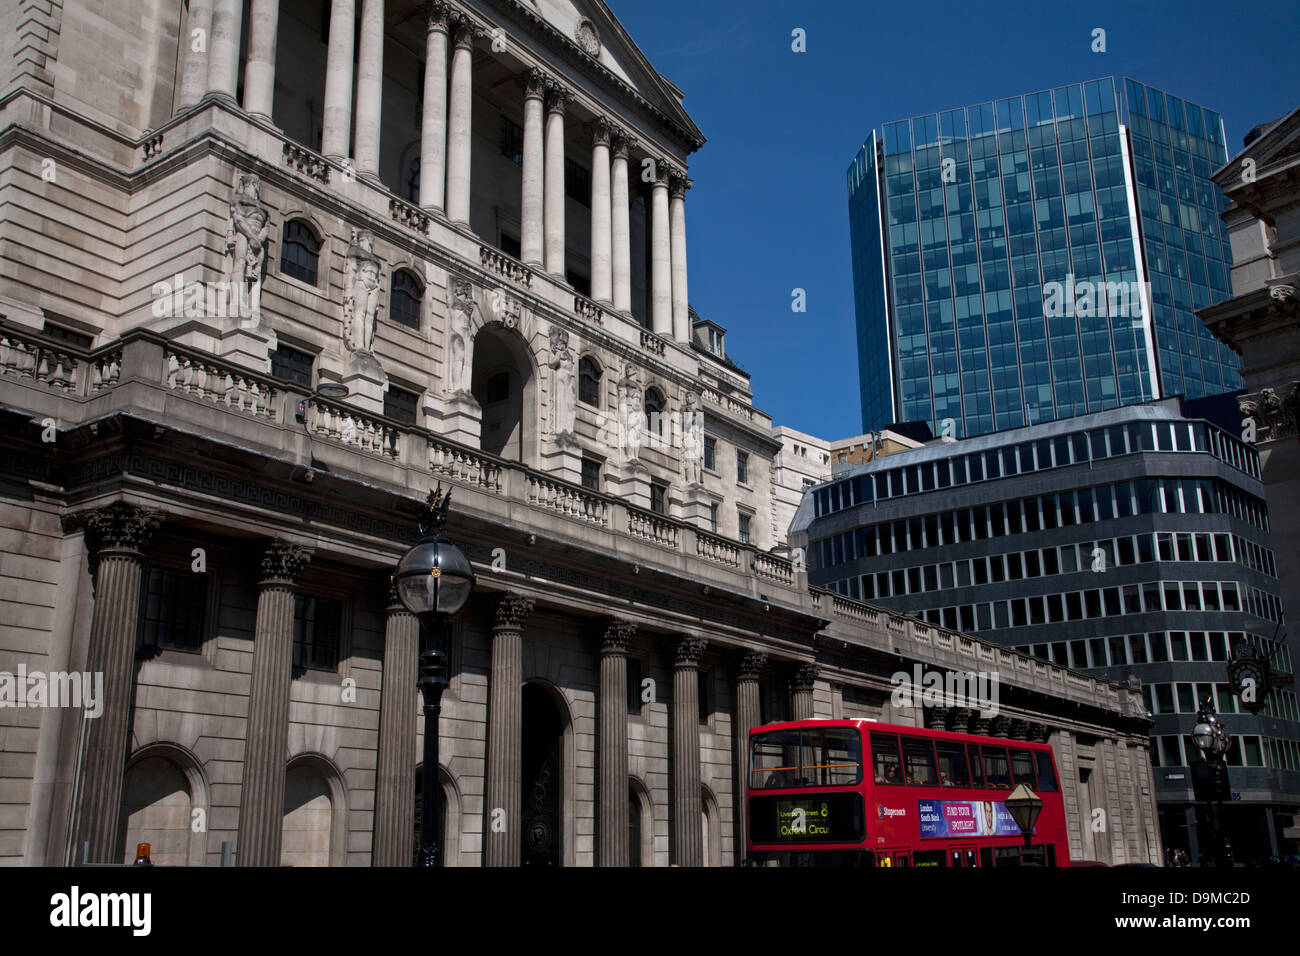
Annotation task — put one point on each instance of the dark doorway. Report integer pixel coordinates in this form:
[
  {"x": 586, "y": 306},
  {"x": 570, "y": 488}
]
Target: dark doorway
[
  {"x": 502, "y": 384},
  {"x": 542, "y": 777}
]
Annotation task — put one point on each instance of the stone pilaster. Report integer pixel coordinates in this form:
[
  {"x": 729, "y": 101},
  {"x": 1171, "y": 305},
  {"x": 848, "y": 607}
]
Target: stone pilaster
[
  {"x": 748, "y": 716},
  {"x": 433, "y": 120},
  {"x": 259, "y": 69},
  {"x": 531, "y": 244},
  {"x": 620, "y": 228},
  {"x": 116, "y": 539},
  {"x": 459, "y": 120},
  {"x": 505, "y": 733},
  {"x": 395, "y": 773},
  {"x": 336, "y": 134},
  {"x": 266, "y": 745},
  {"x": 613, "y": 744},
  {"x": 688, "y": 837},
  {"x": 677, "y": 228},
  {"x": 194, "y": 72},
  {"x": 602, "y": 281},
  {"x": 556, "y": 100},
  {"x": 801, "y": 686},
  {"x": 661, "y": 276},
  {"x": 370, "y": 85}
]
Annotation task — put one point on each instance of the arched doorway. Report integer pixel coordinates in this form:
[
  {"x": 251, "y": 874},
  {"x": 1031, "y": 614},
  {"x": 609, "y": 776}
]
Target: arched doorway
[
  {"x": 314, "y": 814},
  {"x": 542, "y": 760},
  {"x": 448, "y": 810},
  {"x": 504, "y": 386},
  {"x": 158, "y": 809}
]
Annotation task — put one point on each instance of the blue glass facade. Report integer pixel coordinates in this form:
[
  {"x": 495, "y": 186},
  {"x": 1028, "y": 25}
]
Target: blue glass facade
[{"x": 987, "y": 212}]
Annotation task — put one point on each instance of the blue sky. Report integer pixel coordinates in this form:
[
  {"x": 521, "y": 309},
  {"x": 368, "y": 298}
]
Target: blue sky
[{"x": 768, "y": 212}]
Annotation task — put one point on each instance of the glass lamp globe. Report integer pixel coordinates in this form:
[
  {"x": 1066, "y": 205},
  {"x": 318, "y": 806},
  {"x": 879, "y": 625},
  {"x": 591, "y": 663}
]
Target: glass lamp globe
[
  {"x": 434, "y": 577},
  {"x": 1221, "y": 740},
  {"x": 1203, "y": 736}
]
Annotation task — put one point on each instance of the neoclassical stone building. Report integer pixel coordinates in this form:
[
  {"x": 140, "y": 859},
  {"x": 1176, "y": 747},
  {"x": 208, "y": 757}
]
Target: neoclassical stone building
[{"x": 271, "y": 270}]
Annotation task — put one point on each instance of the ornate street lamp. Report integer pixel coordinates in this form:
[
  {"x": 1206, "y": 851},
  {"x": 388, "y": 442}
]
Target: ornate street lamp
[
  {"x": 1213, "y": 741},
  {"x": 1024, "y": 806},
  {"x": 433, "y": 581}
]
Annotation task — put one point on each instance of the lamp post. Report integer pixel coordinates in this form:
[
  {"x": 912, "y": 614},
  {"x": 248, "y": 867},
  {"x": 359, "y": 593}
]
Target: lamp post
[
  {"x": 1212, "y": 740},
  {"x": 1024, "y": 806},
  {"x": 433, "y": 581}
]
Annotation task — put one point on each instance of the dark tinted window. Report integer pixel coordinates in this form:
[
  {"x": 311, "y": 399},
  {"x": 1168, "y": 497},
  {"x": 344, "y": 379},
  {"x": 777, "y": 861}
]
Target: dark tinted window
[
  {"x": 316, "y": 628},
  {"x": 918, "y": 762},
  {"x": 172, "y": 615},
  {"x": 404, "y": 300},
  {"x": 300, "y": 251},
  {"x": 1022, "y": 767},
  {"x": 291, "y": 365},
  {"x": 400, "y": 405},
  {"x": 952, "y": 765},
  {"x": 996, "y": 771},
  {"x": 1046, "y": 775},
  {"x": 886, "y": 760}
]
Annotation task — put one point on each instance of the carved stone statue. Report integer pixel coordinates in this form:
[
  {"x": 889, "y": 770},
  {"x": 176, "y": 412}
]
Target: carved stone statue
[
  {"x": 246, "y": 250},
  {"x": 630, "y": 404},
  {"x": 564, "y": 381},
  {"x": 1274, "y": 414},
  {"x": 461, "y": 337},
  {"x": 361, "y": 292},
  {"x": 692, "y": 440}
]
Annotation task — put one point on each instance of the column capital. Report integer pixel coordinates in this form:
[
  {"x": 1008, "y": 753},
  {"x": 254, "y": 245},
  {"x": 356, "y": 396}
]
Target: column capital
[
  {"x": 438, "y": 15},
  {"x": 805, "y": 675},
  {"x": 393, "y": 605},
  {"x": 618, "y": 633},
  {"x": 534, "y": 83},
  {"x": 663, "y": 172},
  {"x": 115, "y": 527},
  {"x": 558, "y": 96},
  {"x": 689, "y": 650},
  {"x": 601, "y": 130},
  {"x": 621, "y": 142},
  {"x": 464, "y": 31},
  {"x": 752, "y": 664},
  {"x": 283, "y": 563},
  {"x": 512, "y": 609},
  {"x": 678, "y": 183}
]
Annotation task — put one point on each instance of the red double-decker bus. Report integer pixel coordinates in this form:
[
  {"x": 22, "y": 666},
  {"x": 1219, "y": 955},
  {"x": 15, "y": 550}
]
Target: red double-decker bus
[{"x": 861, "y": 793}]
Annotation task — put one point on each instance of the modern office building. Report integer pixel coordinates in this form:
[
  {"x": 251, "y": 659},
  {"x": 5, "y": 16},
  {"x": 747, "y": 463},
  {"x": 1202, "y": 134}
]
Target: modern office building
[
  {"x": 1038, "y": 257},
  {"x": 1128, "y": 542}
]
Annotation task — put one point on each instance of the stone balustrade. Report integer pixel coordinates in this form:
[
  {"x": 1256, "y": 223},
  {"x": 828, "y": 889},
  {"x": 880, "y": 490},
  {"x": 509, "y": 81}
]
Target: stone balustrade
[
  {"x": 588, "y": 309},
  {"x": 652, "y": 343},
  {"x": 504, "y": 266},
  {"x": 732, "y": 405},
  {"x": 773, "y": 567},
  {"x": 568, "y": 500},
  {"x": 348, "y": 426},
  {"x": 410, "y": 216},
  {"x": 305, "y": 161},
  {"x": 235, "y": 388},
  {"x": 464, "y": 466},
  {"x": 28, "y": 357},
  {"x": 719, "y": 550},
  {"x": 652, "y": 527}
]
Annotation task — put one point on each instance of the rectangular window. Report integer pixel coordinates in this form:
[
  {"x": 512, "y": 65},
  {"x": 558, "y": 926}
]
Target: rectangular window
[
  {"x": 317, "y": 624},
  {"x": 702, "y": 695},
  {"x": 577, "y": 182},
  {"x": 918, "y": 759},
  {"x": 743, "y": 527},
  {"x": 400, "y": 405},
  {"x": 634, "y": 686},
  {"x": 172, "y": 613},
  {"x": 591, "y": 474},
  {"x": 976, "y": 767},
  {"x": 291, "y": 365},
  {"x": 953, "y": 771},
  {"x": 713, "y": 517},
  {"x": 742, "y": 467},
  {"x": 512, "y": 141},
  {"x": 658, "y": 498},
  {"x": 886, "y": 759},
  {"x": 997, "y": 772},
  {"x": 710, "y": 453}
]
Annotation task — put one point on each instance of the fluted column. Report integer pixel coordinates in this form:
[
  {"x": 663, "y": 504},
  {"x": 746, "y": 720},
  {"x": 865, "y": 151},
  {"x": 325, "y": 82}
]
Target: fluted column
[
  {"x": 613, "y": 744},
  {"x": 805, "y": 676},
  {"x": 620, "y": 229},
  {"x": 336, "y": 134},
  {"x": 688, "y": 838},
  {"x": 223, "y": 48},
  {"x": 259, "y": 70},
  {"x": 433, "y": 121},
  {"x": 505, "y": 734},
  {"x": 661, "y": 276},
  {"x": 459, "y": 121},
  {"x": 677, "y": 228},
  {"x": 557, "y": 98},
  {"x": 531, "y": 245},
  {"x": 194, "y": 72},
  {"x": 266, "y": 744},
  {"x": 370, "y": 85},
  {"x": 602, "y": 282},
  {"x": 116, "y": 538},
  {"x": 748, "y": 716},
  {"x": 395, "y": 773}
]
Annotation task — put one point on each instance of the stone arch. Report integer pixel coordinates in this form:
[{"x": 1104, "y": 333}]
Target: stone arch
[
  {"x": 642, "y": 803},
  {"x": 711, "y": 828},
  {"x": 164, "y": 784},
  {"x": 511, "y": 419},
  {"x": 567, "y": 792},
  {"x": 451, "y": 811},
  {"x": 315, "y": 813}
]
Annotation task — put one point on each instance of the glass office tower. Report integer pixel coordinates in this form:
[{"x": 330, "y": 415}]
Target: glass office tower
[{"x": 1039, "y": 257}]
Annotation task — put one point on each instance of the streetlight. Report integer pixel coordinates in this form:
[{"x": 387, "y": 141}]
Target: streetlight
[
  {"x": 1212, "y": 740},
  {"x": 1024, "y": 806},
  {"x": 433, "y": 581}
]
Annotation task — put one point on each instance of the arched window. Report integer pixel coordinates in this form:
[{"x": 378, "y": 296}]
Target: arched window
[
  {"x": 589, "y": 381},
  {"x": 404, "y": 299},
  {"x": 299, "y": 251},
  {"x": 654, "y": 411}
]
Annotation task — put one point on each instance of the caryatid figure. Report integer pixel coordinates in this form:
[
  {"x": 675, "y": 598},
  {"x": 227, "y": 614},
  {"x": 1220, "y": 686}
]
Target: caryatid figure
[
  {"x": 246, "y": 237},
  {"x": 562, "y": 398},
  {"x": 630, "y": 404},
  {"x": 462, "y": 336},
  {"x": 361, "y": 296},
  {"x": 692, "y": 440}
]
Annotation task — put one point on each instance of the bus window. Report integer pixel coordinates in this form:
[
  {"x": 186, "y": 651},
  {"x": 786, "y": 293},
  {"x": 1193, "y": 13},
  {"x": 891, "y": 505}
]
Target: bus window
[
  {"x": 996, "y": 770},
  {"x": 1022, "y": 767},
  {"x": 976, "y": 771},
  {"x": 889, "y": 767},
  {"x": 952, "y": 765},
  {"x": 1046, "y": 775},
  {"x": 836, "y": 757},
  {"x": 918, "y": 757},
  {"x": 775, "y": 760}
]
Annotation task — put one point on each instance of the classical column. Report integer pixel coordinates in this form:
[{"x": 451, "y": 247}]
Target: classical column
[
  {"x": 194, "y": 72},
  {"x": 557, "y": 99},
  {"x": 458, "y": 121},
  {"x": 116, "y": 537},
  {"x": 336, "y": 134},
  {"x": 688, "y": 838},
  {"x": 661, "y": 298},
  {"x": 602, "y": 283},
  {"x": 677, "y": 228},
  {"x": 619, "y": 227},
  {"x": 370, "y": 84},
  {"x": 748, "y": 716},
  {"x": 530, "y": 239},
  {"x": 613, "y": 744},
  {"x": 223, "y": 48},
  {"x": 433, "y": 121},
  {"x": 505, "y": 734},
  {"x": 805, "y": 676},
  {"x": 266, "y": 738},
  {"x": 398, "y": 707},
  {"x": 259, "y": 70}
]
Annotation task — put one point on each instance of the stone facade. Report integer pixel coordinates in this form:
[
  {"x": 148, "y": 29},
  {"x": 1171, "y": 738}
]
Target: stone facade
[{"x": 195, "y": 508}]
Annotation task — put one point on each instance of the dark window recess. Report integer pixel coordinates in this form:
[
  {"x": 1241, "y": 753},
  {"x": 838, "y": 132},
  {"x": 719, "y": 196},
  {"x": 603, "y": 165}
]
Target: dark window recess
[
  {"x": 577, "y": 182},
  {"x": 174, "y": 605},
  {"x": 710, "y": 453},
  {"x": 743, "y": 526},
  {"x": 510, "y": 245},
  {"x": 404, "y": 300},
  {"x": 317, "y": 623},
  {"x": 658, "y": 498},
  {"x": 591, "y": 474},
  {"x": 581, "y": 284},
  {"x": 512, "y": 141},
  {"x": 400, "y": 405},
  {"x": 702, "y": 678},
  {"x": 291, "y": 365},
  {"x": 300, "y": 251},
  {"x": 634, "y": 685},
  {"x": 413, "y": 180},
  {"x": 497, "y": 388},
  {"x": 58, "y": 332},
  {"x": 589, "y": 382}
]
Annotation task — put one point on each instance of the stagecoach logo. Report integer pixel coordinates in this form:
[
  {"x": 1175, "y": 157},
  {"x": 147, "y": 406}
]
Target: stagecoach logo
[
  {"x": 923, "y": 688},
  {"x": 886, "y": 813}
]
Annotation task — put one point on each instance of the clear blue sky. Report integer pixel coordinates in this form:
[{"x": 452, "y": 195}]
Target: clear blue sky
[{"x": 768, "y": 212}]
